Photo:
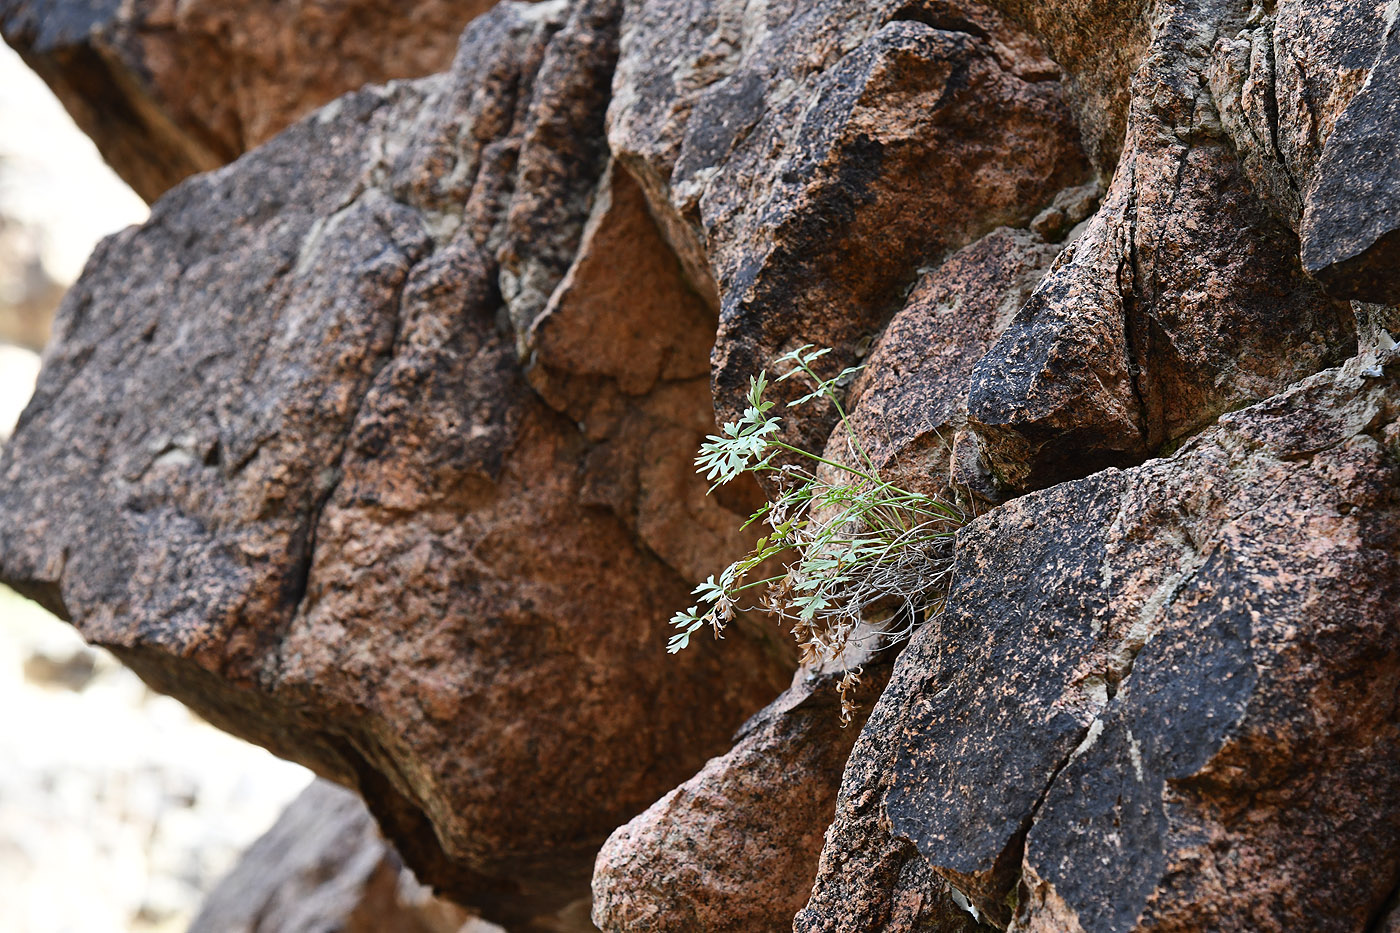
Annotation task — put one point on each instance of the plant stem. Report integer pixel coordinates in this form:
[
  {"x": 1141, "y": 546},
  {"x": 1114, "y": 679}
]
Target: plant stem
[{"x": 839, "y": 466}]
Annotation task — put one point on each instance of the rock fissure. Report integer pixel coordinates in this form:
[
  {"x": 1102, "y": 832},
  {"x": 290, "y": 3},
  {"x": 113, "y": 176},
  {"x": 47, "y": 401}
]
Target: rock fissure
[
  {"x": 1271, "y": 107},
  {"x": 1133, "y": 342},
  {"x": 302, "y": 566}
]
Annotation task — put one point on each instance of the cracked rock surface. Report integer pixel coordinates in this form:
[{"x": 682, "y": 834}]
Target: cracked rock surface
[
  {"x": 1157, "y": 693},
  {"x": 734, "y": 848},
  {"x": 376, "y": 447},
  {"x": 317, "y": 498}
]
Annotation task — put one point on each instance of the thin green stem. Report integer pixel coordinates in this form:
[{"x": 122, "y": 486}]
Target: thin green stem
[
  {"x": 749, "y": 586},
  {"x": 833, "y": 463}
]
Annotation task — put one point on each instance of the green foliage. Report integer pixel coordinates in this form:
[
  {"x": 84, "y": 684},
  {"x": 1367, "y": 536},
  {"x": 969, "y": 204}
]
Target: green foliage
[{"x": 856, "y": 551}]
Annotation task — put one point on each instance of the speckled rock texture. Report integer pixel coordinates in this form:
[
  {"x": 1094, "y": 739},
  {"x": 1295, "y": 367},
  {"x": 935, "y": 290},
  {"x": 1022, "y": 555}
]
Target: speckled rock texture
[
  {"x": 909, "y": 406},
  {"x": 735, "y": 847},
  {"x": 814, "y": 159},
  {"x": 1184, "y": 298},
  {"x": 316, "y": 497},
  {"x": 375, "y": 446},
  {"x": 1159, "y": 696},
  {"x": 168, "y": 88}
]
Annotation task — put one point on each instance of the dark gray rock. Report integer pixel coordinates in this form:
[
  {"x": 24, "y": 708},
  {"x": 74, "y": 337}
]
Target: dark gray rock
[
  {"x": 1351, "y": 220},
  {"x": 324, "y": 866},
  {"x": 1161, "y": 698}
]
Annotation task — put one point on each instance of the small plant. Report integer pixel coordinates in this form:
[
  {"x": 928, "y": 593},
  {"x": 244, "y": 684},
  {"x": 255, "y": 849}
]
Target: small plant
[{"x": 863, "y": 558}]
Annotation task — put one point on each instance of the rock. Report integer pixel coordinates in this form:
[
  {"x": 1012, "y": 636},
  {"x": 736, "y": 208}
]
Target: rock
[
  {"x": 1307, "y": 96},
  {"x": 562, "y": 155},
  {"x": 1183, "y": 298},
  {"x": 625, "y": 357},
  {"x": 1100, "y": 45},
  {"x": 324, "y": 866},
  {"x": 296, "y": 477},
  {"x": 1351, "y": 216},
  {"x": 376, "y": 445},
  {"x": 1300, "y": 69},
  {"x": 167, "y": 90},
  {"x": 1279, "y": 116},
  {"x": 868, "y": 880},
  {"x": 1161, "y": 697},
  {"x": 1303, "y": 90},
  {"x": 1071, "y": 207},
  {"x": 734, "y": 848},
  {"x": 809, "y": 164},
  {"x": 909, "y": 406},
  {"x": 1389, "y": 922}
]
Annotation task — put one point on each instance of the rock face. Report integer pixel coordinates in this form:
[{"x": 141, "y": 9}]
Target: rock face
[
  {"x": 169, "y": 89},
  {"x": 909, "y": 407},
  {"x": 376, "y": 447},
  {"x": 1184, "y": 298},
  {"x": 335, "y": 518},
  {"x": 1159, "y": 696},
  {"x": 820, "y": 157},
  {"x": 1351, "y": 227}
]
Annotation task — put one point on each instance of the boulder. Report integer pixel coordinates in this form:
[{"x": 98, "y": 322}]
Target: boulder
[
  {"x": 1161, "y": 698},
  {"x": 296, "y": 476},
  {"x": 324, "y": 866},
  {"x": 734, "y": 849}
]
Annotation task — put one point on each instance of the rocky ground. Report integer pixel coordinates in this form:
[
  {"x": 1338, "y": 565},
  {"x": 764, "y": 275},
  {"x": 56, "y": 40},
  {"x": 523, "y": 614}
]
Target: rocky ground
[{"x": 374, "y": 443}]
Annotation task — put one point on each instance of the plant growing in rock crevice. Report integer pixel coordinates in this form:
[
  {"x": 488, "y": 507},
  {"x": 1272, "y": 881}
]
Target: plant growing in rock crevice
[{"x": 863, "y": 558}]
